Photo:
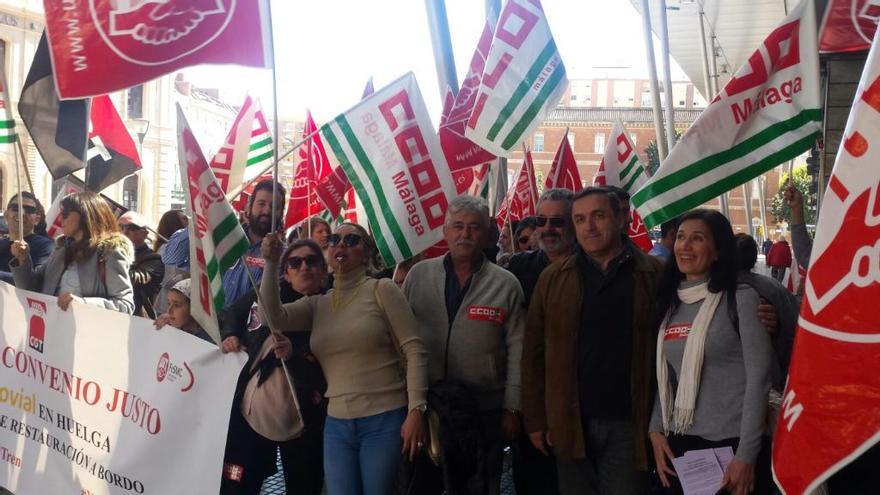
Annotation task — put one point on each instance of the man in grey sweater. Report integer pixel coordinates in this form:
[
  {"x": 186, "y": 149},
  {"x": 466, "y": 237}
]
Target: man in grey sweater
[{"x": 477, "y": 340}]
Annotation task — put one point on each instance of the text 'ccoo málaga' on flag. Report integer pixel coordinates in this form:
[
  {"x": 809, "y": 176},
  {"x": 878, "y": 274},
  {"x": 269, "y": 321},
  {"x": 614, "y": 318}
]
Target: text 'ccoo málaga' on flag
[
  {"x": 768, "y": 113},
  {"x": 391, "y": 154},
  {"x": 523, "y": 79},
  {"x": 831, "y": 408},
  {"x": 101, "y": 46},
  {"x": 217, "y": 240}
]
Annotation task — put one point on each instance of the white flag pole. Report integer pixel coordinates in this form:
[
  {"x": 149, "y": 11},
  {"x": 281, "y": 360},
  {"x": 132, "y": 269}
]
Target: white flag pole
[
  {"x": 275, "y": 118},
  {"x": 20, "y": 199}
]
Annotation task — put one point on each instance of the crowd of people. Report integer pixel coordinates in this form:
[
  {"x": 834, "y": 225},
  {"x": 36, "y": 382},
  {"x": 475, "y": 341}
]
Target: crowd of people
[{"x": 594, "y": 362}]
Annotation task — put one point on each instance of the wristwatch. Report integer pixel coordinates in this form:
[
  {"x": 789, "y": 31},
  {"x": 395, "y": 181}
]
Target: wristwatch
[{"x": 421, "y": 408}]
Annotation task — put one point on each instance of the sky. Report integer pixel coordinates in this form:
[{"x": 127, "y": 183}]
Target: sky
[{"x": 326, "y": 50}]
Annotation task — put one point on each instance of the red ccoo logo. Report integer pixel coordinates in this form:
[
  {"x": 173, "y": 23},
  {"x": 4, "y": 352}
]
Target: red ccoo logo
[{"x": 36, "y": 324}]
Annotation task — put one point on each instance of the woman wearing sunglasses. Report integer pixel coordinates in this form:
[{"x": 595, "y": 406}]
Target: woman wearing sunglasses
[
  {"x": 303, "y": 273},
  {"x": 360, "y": 329},
  {"x": 91, "y": 262}
]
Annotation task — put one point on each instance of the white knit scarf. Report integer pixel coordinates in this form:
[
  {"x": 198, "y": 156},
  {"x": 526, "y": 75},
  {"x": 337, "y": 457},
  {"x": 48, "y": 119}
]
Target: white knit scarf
[{"x": 679, "y": 419}]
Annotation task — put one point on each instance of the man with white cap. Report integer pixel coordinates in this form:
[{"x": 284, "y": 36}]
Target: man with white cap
[{"x": 147, "y": 270}]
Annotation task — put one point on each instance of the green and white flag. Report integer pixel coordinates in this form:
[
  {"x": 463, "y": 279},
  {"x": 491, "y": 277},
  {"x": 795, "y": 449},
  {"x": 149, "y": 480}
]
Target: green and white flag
[
  {"x": 620, "y": 165},
  {"x": 7, "y": 123},
  {"x": 247, "y": 151},
  {"x": 216, "y": 239},
  {"x": 390, "y": 152},
  {"x": 767, "y": 114},
  {"x": 523, "y": 79}
]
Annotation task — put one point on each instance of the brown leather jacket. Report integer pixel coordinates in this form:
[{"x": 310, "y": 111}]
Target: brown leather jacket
[{"x": 549, "y": 364}]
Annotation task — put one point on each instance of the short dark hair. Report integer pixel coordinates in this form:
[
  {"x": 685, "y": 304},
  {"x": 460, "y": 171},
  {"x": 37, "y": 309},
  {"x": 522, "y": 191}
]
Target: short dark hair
[
  {"x": 722, "y": 272},
  {"x": 747, "y": 248},
  {"x": 669, "y": 226},
  {"x": 266, "y": 185},
  {"x": 621, "y": 193},
  {"x": 525, "y": 223},
  {"x": 613, "y": 198}
]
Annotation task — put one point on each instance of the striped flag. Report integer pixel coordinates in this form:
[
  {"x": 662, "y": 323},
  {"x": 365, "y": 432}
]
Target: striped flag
[
  {"x": 768, "y": 113},
  {"x": 621, "y": 167},
  {"x": 247, "y": 150},
  {"x": 217, "y": 240},
  {"x": 523, "y": 79},
  {"x": 7, "y": 122},
  {"x": 389, "y": 151}
]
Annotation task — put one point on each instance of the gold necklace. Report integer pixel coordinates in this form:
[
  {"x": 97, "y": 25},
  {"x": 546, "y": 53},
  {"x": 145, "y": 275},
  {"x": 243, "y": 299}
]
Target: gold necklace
[{"x": 337, "y": 305}]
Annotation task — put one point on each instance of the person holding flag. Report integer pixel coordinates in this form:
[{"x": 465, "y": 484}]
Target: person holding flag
[
  {"x": 27, "y": 208},
  {"x": 363, "y": 334}
]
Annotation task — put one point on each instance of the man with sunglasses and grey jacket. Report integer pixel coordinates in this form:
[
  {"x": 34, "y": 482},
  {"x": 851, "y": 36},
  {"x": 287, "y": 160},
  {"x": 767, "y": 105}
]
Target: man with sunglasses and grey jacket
[{"x": 478, "y": 339}]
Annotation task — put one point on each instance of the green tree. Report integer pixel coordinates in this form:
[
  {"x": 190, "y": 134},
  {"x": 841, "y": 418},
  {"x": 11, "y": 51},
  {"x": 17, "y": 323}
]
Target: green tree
[
  {"x": 653, "y": 158},
  {"x": 802, "y": 181}
]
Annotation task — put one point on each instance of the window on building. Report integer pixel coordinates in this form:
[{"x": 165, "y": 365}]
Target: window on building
[
  {"x": 538, "y": 142},
  {"x": 134, "y": 103},
  {"x": 599, "y": 143},
  {"x": 130, "y": 192},
  {"x": 574, "y": 97},
  {"x": 681, "y": 103},
  {"x": 616, "y": 101}
]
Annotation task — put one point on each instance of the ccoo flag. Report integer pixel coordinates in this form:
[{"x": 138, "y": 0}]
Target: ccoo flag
[
  {"x": 523, "y": 79},
  {"x": 247, "y": 150},
  {"x": 768, "y": 113},
  {"x": 217, "y": 240},
  {"x": 522, "y": 197},
  {"x": 831, "y": 408},
  {"x": 312, "y": 167},
  {"x": 389, "y": 151}
]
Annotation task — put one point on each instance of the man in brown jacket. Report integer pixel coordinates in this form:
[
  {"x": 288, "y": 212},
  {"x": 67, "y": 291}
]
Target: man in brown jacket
[{"x": 587, "y": 370}]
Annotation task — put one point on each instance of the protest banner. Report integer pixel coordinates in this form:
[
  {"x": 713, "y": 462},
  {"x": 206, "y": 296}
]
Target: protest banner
[
  {"x": 389, "y": 151},
  {"x": 101, "y": 46},
  {"x": 831, "y": 405},
  {"x": 98, "y": 402},
  {"x": 768, "y": 113},
  {"x": 217, "y": 240},
  {"x": 523, "y": 79}
]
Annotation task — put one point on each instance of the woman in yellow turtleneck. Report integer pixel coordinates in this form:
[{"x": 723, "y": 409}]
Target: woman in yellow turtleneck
[{"x": 374, "y": 413}]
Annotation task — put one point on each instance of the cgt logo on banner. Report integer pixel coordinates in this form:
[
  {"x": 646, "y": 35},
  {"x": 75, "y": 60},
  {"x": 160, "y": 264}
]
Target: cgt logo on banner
[
  {"x": 99, "y": 46},
  {"x": 831, "y": 410},
  {"x": 71, "y": 423}
]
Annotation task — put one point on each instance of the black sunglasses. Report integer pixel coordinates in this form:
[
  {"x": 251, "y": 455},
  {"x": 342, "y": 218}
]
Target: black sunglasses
[
  {"x": 30, "y": 210},
  {"x": 348, "y": 240},
  {"x": 557, "y": 222},
  {"x": 311, "y": 261}
]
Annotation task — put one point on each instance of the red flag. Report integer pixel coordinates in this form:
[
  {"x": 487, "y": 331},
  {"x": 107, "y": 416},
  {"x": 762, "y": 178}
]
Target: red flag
[
  {"x": 101, "y": 46},
  {"x": 831, "y": 406},
  {"x": 564, "y": 171},
  {"x": 112, "y": 153},
  {"x": 522, "y": 197},
  {"x": 313, "y": 166},
  {"x": 848, "y": 25},
  {"x": 460, "y": 151}
]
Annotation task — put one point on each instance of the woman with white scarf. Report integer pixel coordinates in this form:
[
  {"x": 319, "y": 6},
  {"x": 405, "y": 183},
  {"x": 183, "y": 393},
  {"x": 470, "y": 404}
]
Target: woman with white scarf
[{"x": 712, "y": 377}]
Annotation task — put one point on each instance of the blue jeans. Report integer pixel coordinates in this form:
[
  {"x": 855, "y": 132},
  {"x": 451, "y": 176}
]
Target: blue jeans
[{"x": 361, "y": 455}]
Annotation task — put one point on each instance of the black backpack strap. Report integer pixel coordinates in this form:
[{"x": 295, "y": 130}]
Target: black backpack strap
[{"x": 732, "y": 312}]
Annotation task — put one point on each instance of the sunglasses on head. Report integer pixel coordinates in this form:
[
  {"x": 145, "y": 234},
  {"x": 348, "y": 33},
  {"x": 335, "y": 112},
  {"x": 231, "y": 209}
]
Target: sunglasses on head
[
  {"x": 557, "y": 222},
  {"x": 30, "y": 210},
  {"x": 131, "y": 227},
  {"x": 311, "y": 261},
  {"x": 347, "y": 240}
]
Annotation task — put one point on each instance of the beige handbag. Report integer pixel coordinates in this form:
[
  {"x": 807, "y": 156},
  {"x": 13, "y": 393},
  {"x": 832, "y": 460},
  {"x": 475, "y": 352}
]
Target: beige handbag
[{"x": 268, "y": 403}]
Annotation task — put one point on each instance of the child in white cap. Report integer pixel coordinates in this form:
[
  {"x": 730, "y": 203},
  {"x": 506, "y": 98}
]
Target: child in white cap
[{"x": 178, "y": 314}]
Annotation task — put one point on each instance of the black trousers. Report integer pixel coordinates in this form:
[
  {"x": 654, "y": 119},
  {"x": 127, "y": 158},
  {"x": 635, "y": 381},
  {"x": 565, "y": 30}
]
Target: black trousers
[{"x": 533, "y": 472}]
